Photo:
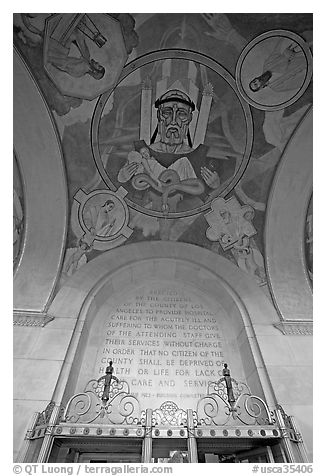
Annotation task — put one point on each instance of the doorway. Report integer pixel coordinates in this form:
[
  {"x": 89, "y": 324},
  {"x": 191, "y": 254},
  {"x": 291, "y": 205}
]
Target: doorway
[
  {"x": 96, "y": 450},
  {"x": 170, "y": 450},
  {"x": 239, "y": 451},
  {"x": 166, "y": 450}
]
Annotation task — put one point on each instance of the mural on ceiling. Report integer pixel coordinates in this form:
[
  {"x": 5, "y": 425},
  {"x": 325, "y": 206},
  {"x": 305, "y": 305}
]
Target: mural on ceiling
[
  {"x": 274, "y": 70},
  {"x": 231, "y": 225},
  {"x": 74, "y": 56},
  {"x": 83, "y": 53},
  {"x": 172, "y": 125}
]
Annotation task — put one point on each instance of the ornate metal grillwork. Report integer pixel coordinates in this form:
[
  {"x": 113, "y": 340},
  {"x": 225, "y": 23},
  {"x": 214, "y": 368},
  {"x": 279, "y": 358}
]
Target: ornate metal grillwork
[
  {"x": 248, "y": 409},
  {"x": 44, "y": 417},
  {"x": 220, "y": 389},
  {"x": 290, "y": 429},
  {"x": 169, "y": 414},
  {"x": 286, "y": 418},
  {"x": 123, "y": 408},
  {"x": 87, "y": 407}
]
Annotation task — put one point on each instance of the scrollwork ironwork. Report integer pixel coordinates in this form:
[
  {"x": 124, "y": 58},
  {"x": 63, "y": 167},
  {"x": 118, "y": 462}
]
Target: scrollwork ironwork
[
  {"x": 195, "y": 418},
  {"x": 289, "y": 428},
  {"x": 61, "y": 414},
  {"x": 169, "y": 414},
  {"x": 273, "y": 417},
  {"x": 248, "y": 409},
  {"x": 44, "y": 417},
  {"x": 286, "y": 418},
  {"x": 86, "y": 407},
  {"x": 255, "y": 411},
  {"x": 213, "y": 410},
  {"x": 115, "y": 387},
  {"x": 220, "y": 389}
]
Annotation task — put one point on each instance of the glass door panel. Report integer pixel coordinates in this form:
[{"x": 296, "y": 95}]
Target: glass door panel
[
  {"x": 170, "y": 451},
  {"x": 109, "y": 458}
]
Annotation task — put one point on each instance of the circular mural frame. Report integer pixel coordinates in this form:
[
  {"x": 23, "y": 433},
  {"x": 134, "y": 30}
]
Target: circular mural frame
[
  {"x": 256, "y": 42},
  {"x": 182, "y": 55},
  {"x": 81, "y": 225}
]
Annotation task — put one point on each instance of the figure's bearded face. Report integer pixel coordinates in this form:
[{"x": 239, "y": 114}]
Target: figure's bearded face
[{"x": 173, "y": 122}]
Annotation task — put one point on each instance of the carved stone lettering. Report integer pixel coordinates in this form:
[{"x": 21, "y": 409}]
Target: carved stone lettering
[{"x": 166, "y": 342}]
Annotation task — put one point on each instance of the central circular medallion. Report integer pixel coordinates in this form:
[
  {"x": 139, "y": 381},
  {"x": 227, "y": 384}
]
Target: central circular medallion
[{"x": 175, "y": 133}]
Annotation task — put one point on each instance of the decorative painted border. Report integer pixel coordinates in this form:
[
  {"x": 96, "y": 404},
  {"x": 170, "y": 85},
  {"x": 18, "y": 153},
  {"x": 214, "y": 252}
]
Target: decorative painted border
[{"x": 78, "y": 223}]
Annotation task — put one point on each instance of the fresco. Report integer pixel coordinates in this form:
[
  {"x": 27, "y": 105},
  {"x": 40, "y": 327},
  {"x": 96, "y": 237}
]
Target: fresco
[
  {"x": 274, "y": 70},
  {"x": 180, "y": 154},
  {"x": 172, "y": 125},
  {"x": 70, "y": 55},
  {"x": 102, "y": 216},
  {"x": 83, "y": 53}
]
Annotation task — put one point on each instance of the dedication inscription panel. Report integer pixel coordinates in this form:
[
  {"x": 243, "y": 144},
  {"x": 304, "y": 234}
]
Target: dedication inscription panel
[{"x": 166, "y": 342}]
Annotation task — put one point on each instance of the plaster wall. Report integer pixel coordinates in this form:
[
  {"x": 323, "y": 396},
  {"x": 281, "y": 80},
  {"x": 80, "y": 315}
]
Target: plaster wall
[
  {"x": 289, "y": 358},
  {"x": 287, "y": 207},
  {"x": 38, "y": 151},
  {"x": 289, "y": 364},
  {"x": 39, "y": 355}
]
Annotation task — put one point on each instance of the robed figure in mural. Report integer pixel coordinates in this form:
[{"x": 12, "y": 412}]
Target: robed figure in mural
[
  {"x": 76, "y": 66},
  {"x": 101, "y": 218},
  {"x": 283, "y": 70},
  {"x": 170, "y": 159}
]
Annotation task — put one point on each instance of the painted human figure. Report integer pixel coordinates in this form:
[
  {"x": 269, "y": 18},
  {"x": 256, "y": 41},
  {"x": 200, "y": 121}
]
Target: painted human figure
[
  {"x": 174, "y": 114},
  {"x": 76, "y": 259},
  {"x": 235, "y": 226},
  {"x": 237, "y": 238},
  {"x": 59, "y": 53},
  {"x": 107, "y": 382},
  {"x": 182, "y": 166},
  {"x": 148, "y": 164},
  {"x": 59, "y": 56},
  {"x": 145, "y": 164},
  {"x": 228, "y": 384},
  {"x": 101, "y": 218},
  {"x": 246, "y": 254},
  {"x": 249, "y": 259},
  {"x": 283, "y": 70}
]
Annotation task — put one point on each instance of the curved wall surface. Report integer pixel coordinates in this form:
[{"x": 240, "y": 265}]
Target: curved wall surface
[
  {"x": 285, "y": 224},
  {"x": 38, "y": 151},
  {"x": 257, "y": 352},
  {"x": 241, "y": 304}
]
